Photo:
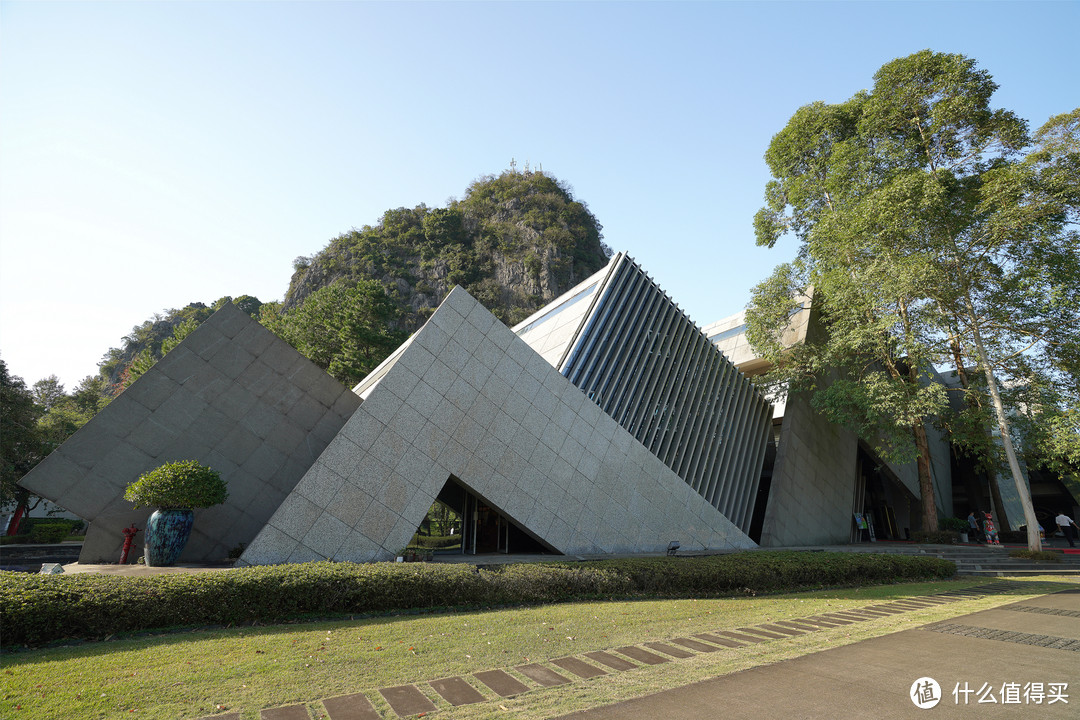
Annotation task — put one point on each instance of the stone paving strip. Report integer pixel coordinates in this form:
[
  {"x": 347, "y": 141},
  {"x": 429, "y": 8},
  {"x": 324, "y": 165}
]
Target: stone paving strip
[
  {"x": 351, "y": 707},
  {"x": 291, "y": 712},
  {"x": 612, "y": 661},
  {"x": 410, "y": 700},
  {"x": 636, "y": 653},
  {"x": 1047, "y": 641},
  {"x": 541, "y": 675},
  {"x": 501, "y": 683},
  {"x": 1042, "y": 610},
  {"x": 765, "y": 634},
  {"x": 695, "y": 645},
  {"x": 406, "y": 700},
  {"x": 457, "y": 691},
  {"x": 579, "y": 667},
  {"x": 669, "y": 650},
  {"x": 717, "y": 640}
]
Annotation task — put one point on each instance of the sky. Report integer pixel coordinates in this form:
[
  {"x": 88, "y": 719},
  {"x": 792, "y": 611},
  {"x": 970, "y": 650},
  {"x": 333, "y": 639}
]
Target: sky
[{"x": 153, "y": 154}]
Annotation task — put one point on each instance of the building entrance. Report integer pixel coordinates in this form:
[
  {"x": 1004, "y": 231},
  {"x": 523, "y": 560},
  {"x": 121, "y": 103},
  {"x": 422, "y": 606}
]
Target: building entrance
[
  {"x": 485, "y": 529},
  {"x": 882, "y": 507}
]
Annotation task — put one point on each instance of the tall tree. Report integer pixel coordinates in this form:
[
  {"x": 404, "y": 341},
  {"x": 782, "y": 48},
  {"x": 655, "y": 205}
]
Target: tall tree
[
  {"x": 928, "y": 239},
  {"x": 20, "y": 443}
]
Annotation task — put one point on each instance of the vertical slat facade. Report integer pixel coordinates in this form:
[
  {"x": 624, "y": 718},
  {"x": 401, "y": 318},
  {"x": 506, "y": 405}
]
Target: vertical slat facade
[{"x": 646, "y": 364}]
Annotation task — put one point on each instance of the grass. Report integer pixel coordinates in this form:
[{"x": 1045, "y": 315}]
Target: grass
[{"x": 191, "y": 674}]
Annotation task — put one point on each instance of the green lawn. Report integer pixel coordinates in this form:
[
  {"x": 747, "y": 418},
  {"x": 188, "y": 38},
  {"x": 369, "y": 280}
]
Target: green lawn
[{"x": 190, "y": 674}]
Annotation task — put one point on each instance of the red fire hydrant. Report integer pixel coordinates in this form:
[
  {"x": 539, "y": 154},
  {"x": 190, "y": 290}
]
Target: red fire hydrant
[{"x": 129, "y": 539}]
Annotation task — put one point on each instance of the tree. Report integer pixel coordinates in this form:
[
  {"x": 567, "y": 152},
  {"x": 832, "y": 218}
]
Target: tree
[
  {"x": 1032, "y": 208},
  {"x": 927, "y": 238},
  {"x": 47, "y": 392},
  {"x": 148, "y": 358},
  {"x": 868, "y": 371},
  {"x": 344, "y": 328},
  {"x": 20, "y": 444},
  {"x": 67, "y": 413}
]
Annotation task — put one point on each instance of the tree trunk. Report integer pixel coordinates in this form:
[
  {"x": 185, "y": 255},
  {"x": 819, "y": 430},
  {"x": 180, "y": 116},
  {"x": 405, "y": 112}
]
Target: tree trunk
[
  {"x": 1002, "y": 517},
  {"x": 16, "y": 519},
  {"x": 1034, "y": 543},
  {"x": 926, "y": 480},
  {"x": 996, "y": 505}
]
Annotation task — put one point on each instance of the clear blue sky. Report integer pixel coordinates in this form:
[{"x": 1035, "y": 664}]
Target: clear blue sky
[{"x": 153, "y": 154}]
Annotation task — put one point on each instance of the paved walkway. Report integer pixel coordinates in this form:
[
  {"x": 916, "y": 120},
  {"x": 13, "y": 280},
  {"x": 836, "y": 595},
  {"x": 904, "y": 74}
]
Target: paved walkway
[
  {"x": 1022, "y": 655},
  {"x": 1017, "y": 661}
]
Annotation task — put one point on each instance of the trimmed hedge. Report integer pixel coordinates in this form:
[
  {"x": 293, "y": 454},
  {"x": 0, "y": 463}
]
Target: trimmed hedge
[
  {"x": 49, "y": 532},
  {"x": 37, "y": 609},
  {"x": 937, "y": 537},
  {"x": 43, "y": 530},
  {"x": 1051, "y": 556},
  {"x": 436, "y": 542}
]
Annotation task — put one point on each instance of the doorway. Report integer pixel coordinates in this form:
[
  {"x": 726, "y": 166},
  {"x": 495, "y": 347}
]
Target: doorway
[{"x": 485, "y": 528}]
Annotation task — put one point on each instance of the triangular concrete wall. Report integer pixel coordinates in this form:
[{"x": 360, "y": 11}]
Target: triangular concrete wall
[
  {"x": 233, "y": 396},
  {"x": 470, "y": 399}
]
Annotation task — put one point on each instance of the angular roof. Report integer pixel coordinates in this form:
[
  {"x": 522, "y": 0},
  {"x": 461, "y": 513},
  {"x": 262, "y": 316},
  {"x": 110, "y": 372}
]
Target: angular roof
[
  {"x": 467, "y": 400},
  {"x": 233, "y": 396},
  {"x": 633, "y": 352}
]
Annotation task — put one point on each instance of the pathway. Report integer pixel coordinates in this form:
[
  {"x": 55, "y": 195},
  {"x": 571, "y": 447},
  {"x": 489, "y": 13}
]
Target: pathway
[{"x": 1030, "y": 640}]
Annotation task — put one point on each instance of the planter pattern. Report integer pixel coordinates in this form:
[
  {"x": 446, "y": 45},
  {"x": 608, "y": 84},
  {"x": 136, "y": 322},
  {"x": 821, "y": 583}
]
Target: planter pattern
[{"x": 167, "y": 532}]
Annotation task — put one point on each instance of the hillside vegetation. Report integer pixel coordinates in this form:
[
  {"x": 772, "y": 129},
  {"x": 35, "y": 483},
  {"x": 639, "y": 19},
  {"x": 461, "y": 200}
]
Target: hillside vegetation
[{"x": 515, "y": 242}]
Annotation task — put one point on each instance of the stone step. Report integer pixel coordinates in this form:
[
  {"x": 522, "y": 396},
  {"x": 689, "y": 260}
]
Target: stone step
[{"x": 1017, "y": 572}]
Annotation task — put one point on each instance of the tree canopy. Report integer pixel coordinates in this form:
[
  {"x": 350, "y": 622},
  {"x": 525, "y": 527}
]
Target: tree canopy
[
  {"x": 33, "y": 423},
  {"x": 934, "y": 232},
  {"x": 345, "y": 328}
]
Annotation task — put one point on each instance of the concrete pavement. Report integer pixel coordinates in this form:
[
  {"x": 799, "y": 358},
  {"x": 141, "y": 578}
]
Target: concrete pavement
[{"x": 1018, "y": 661}]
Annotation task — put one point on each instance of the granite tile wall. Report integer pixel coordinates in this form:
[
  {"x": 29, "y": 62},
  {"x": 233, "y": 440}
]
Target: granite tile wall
[
  {"x": 233, "y": 396},
  {"x": 469, "y": 399}
]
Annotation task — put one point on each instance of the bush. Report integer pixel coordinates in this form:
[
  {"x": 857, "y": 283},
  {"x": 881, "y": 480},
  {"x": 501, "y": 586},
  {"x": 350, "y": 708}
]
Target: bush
[
  {"x": 49, "y": 532},
  {"x": 27, "y": 525},
  {"x": 1049, "y": 556},
  {"x": 939, "y": 537},
  {"x": 29, "y": 532},
  {"x": 954, "y": 524},
  {"x": 184, "y": 484},
  {"x": 37, "y": 609},
  {"x": 436, "y": 542}
]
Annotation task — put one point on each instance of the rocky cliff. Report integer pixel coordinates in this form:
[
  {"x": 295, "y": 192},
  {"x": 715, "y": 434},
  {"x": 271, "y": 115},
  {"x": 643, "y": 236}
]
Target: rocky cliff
[{"x": 515, "y": 242}]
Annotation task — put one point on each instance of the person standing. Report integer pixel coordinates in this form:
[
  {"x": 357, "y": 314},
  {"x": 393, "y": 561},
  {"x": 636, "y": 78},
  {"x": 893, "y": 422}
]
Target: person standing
[
  {"x": 1068, "y": 527},
  {"x": 973, "y": 526}
]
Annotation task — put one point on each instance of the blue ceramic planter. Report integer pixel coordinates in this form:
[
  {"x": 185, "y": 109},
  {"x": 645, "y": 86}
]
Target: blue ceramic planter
[{"x": 167, "y": 533}]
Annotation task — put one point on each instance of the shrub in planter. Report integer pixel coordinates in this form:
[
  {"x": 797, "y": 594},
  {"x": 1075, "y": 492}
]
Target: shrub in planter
[{"x": 175, "y": 489}]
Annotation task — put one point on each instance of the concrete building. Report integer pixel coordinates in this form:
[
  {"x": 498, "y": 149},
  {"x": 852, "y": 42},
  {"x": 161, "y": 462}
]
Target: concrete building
[
  {"x": 606, "y": 422},
  {"x": 625, "y": 344},
  {"x": 821, "y": 475}
]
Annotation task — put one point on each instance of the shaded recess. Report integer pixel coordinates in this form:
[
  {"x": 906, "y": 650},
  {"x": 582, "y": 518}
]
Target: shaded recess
[{"x": 485, "y": 528}]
